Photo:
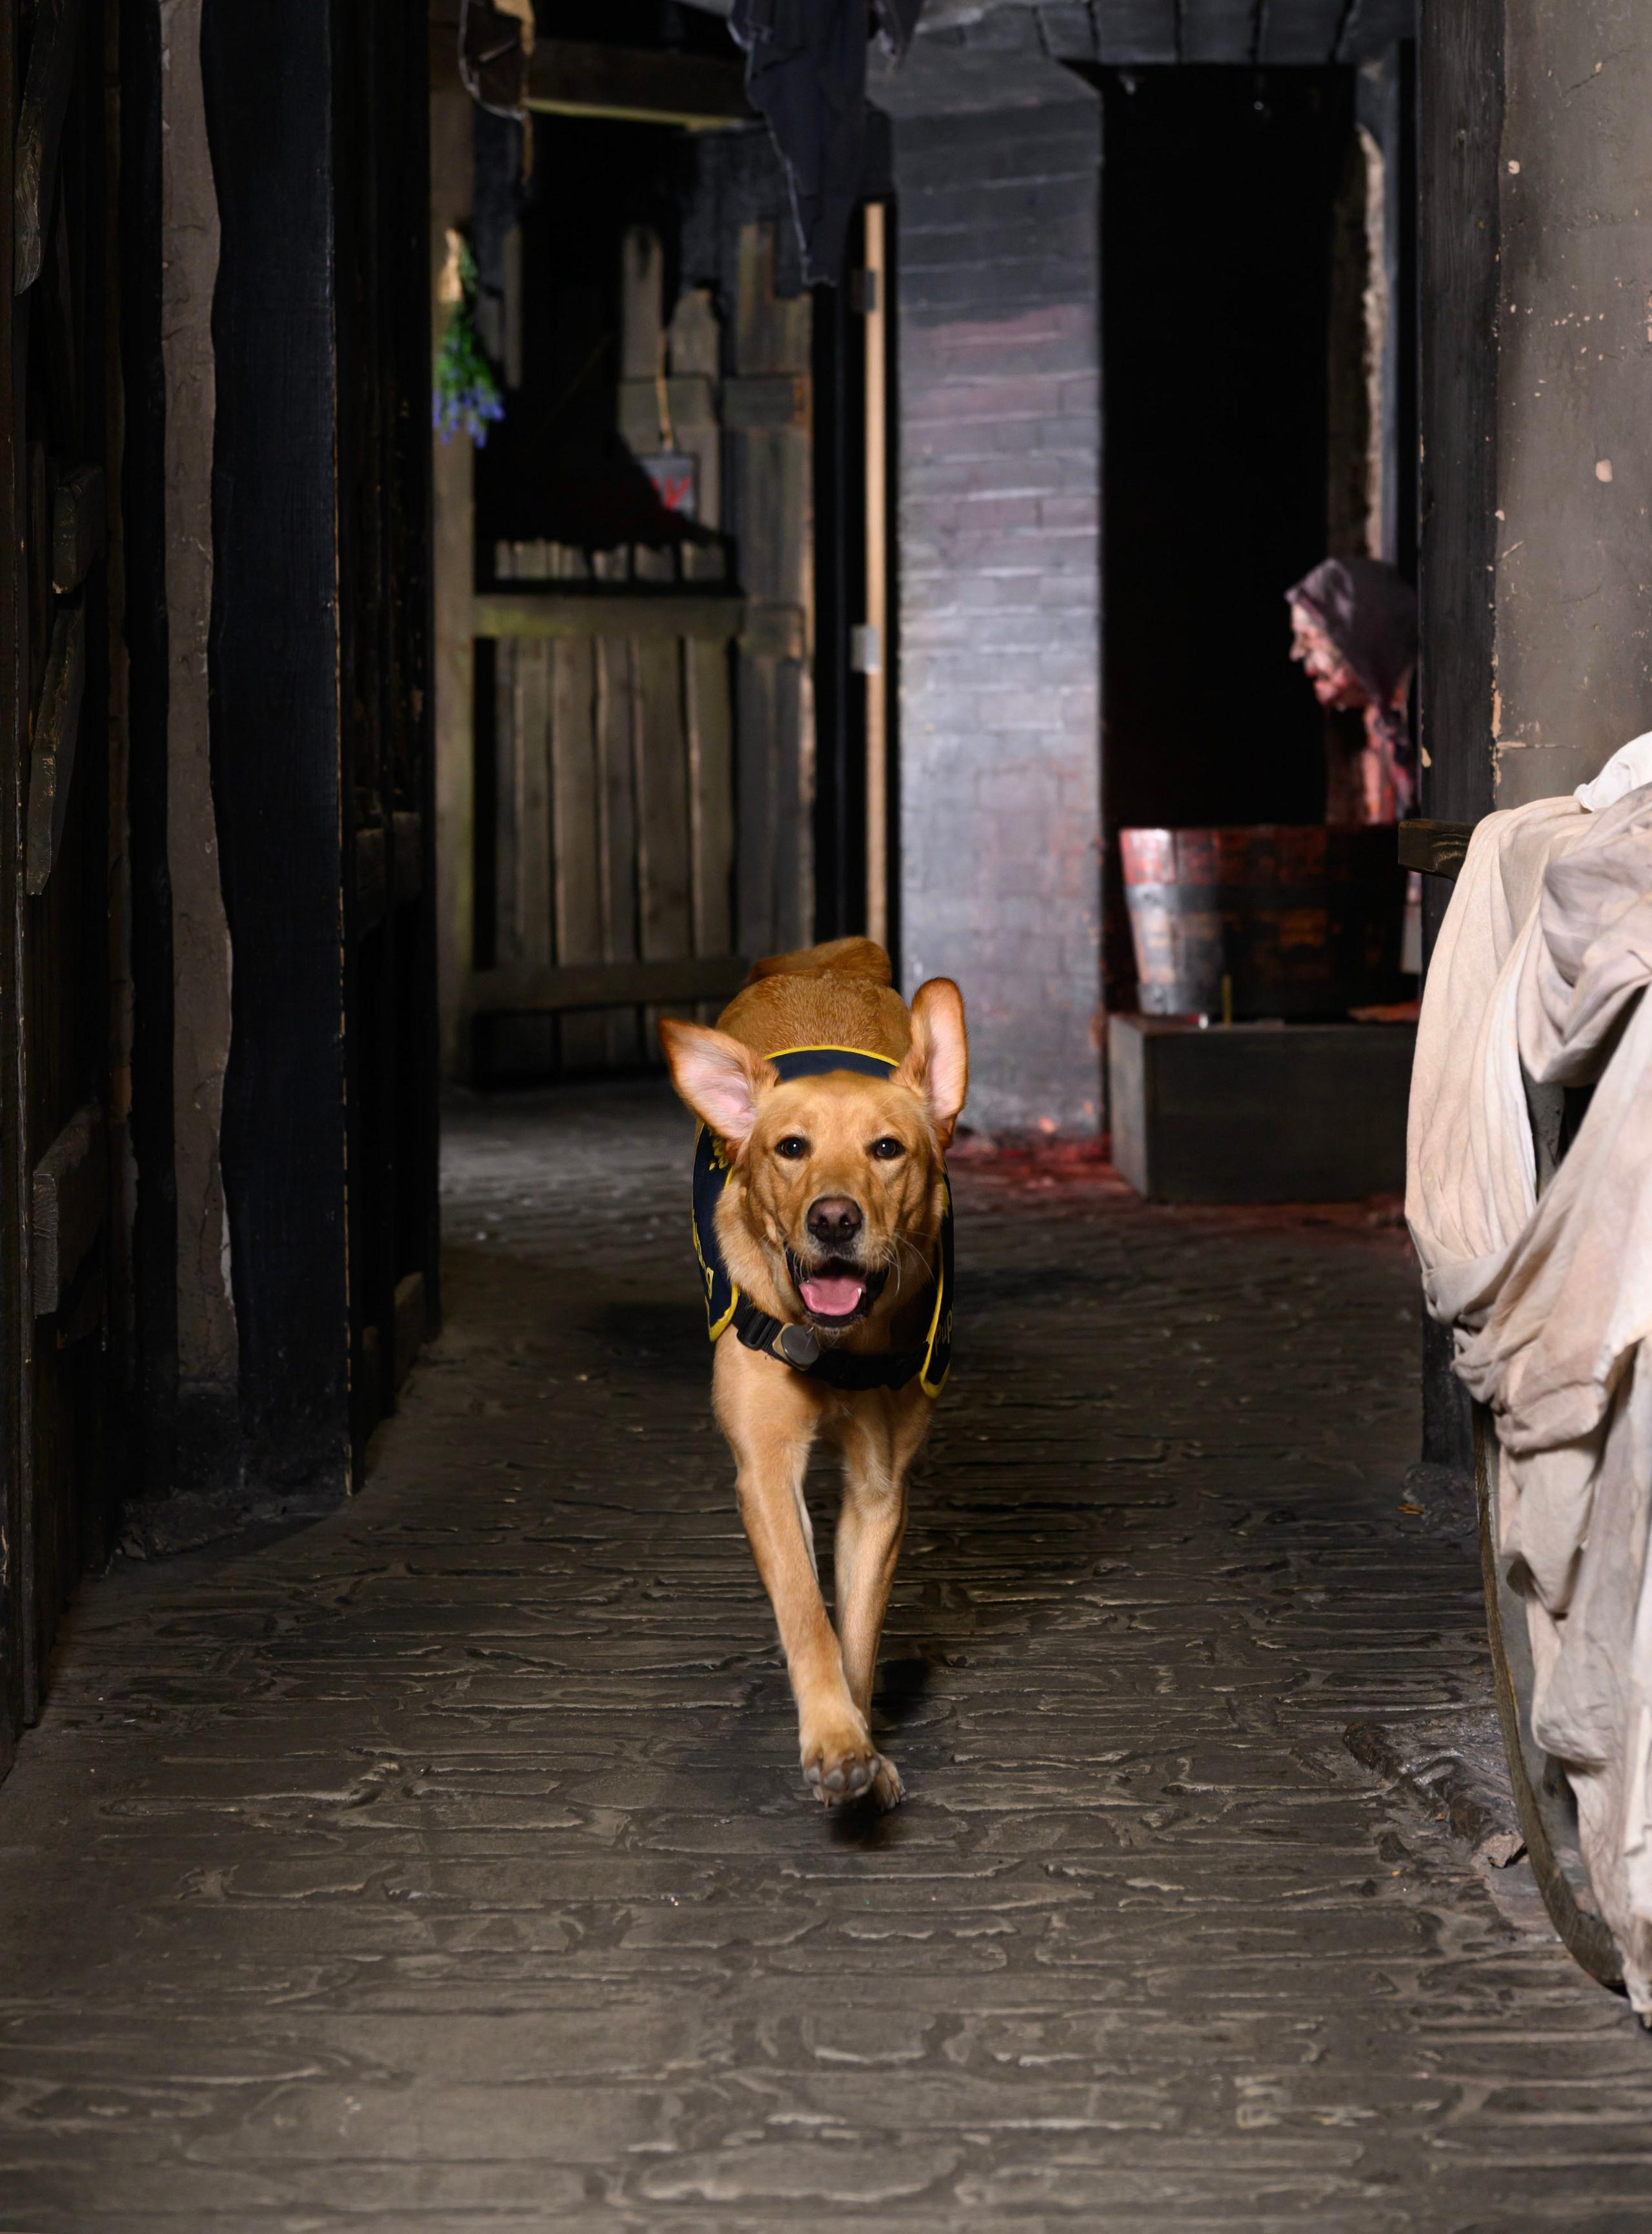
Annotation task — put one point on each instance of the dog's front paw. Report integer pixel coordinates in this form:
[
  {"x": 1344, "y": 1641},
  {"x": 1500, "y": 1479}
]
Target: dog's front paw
[
  {"x": 839, "y": 1760},
  {"x": 842, "y": 1763}
]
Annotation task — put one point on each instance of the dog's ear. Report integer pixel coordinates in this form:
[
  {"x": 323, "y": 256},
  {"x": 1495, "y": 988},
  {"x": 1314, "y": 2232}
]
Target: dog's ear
[
  {"x": 937, "y": 1069},
  {"x": 721, "y": 1079}
]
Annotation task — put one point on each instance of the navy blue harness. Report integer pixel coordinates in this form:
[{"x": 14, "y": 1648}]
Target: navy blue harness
[{"x": 800, "y": 1347}]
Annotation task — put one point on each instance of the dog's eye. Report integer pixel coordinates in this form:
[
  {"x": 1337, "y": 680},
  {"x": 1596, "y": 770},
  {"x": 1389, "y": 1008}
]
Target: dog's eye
[
  {"x": 792, "y": 1148},
  {"x": 888, "y": 1148}
]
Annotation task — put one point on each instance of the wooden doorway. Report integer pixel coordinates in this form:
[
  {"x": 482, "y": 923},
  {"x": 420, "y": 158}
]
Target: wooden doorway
[{"x": 644, "y": 707}]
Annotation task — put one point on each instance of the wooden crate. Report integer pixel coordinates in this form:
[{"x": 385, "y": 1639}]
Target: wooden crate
[{"x": 1258, "y": 1112}]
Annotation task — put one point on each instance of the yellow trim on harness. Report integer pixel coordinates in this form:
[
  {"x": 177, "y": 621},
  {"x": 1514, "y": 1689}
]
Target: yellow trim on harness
[
  {"x": 871, "y": 1054},
  {"x": 693, "y": 1229},
  {"x": 934, "y": 1388}
]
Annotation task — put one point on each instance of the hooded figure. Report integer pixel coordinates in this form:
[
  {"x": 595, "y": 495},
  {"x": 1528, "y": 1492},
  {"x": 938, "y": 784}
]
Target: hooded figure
[{"x": 1355, "y": 632}]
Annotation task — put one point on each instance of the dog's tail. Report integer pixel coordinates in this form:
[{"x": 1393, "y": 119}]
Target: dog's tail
[{"x": 848, "y": 957}]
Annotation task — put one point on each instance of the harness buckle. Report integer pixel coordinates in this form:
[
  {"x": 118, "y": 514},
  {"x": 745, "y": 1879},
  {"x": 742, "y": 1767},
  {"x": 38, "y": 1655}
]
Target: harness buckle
[{"x": 799, "y": 1345}]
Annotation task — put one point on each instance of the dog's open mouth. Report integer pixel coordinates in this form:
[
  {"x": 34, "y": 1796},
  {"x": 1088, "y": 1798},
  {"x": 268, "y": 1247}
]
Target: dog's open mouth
[{"x": 836, "y": 1292}]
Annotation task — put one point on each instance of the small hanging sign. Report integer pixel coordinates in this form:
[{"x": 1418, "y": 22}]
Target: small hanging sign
[{"x": 673, "y": 474}]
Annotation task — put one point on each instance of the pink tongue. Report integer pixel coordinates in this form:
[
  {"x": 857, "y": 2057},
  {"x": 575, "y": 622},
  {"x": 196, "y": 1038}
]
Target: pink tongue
[{"x": 832, "y": 1298}]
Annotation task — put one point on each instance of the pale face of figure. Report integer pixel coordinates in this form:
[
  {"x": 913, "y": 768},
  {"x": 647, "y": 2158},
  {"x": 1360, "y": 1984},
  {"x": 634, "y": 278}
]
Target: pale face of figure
[{"x": 1334, "y": 682}]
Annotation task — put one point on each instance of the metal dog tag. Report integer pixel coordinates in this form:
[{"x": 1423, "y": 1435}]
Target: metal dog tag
[{"x": 799, "y": 1345}]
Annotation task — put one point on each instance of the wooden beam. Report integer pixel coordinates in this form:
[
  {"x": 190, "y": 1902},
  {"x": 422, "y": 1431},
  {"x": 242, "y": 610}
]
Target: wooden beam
[
  {"x": 566, "y": 77},
  {"x": 635, "y": 85},
  {"x": 1439, "y": 849},
  {"x": 606, "y": 985},
  {"x": 559, "y": 612}
]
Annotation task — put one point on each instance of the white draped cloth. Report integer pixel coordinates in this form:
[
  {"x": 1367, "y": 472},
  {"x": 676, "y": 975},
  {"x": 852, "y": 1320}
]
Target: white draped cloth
[{"x": 1540, "y": 966}]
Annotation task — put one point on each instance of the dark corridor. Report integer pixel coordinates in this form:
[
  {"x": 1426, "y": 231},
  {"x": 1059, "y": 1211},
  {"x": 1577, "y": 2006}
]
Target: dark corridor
[{"x": 1219, "y": 186}]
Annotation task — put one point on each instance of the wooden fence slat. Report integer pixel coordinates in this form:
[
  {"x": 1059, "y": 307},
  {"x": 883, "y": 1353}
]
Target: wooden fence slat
[
  {"x": 578, "y": 824},
  {"x": 616, "y": 686},
  {"x": 532, "y": 927},
  {"x": 665, "y": 913},
  {"x": 711, "y": 795},
  {"x": 694, "y": 340},
  {"x": 756, "y": 767},
  {"x": 641, "y": 277},
  {"x": 507, "y": 754}
]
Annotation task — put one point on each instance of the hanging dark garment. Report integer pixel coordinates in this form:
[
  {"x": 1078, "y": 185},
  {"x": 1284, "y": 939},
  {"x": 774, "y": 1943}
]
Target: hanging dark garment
[{"x": 806, "y": 75}]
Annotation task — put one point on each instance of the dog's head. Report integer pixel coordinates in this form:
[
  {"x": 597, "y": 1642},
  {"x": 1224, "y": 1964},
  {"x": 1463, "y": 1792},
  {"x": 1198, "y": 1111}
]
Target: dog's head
[{"x": 836, "y": 1191}]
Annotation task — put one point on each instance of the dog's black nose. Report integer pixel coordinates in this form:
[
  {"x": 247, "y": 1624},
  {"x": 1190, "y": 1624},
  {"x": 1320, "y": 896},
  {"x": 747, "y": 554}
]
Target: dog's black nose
[{"x": 834, "y": 1219}]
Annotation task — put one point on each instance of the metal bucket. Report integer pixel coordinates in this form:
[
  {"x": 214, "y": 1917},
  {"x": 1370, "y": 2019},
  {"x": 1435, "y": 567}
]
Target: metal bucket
[{"x": 1266, "y": 919}]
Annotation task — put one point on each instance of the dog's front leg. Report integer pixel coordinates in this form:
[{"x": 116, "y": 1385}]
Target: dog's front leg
[
  {"x": 770, "y": 1417},
  {"x": 881, "y": 1437}
]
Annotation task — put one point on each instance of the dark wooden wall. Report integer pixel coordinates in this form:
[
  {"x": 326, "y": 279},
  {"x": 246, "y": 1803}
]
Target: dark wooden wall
[
  {"x": 61, "y": 1453},
  {"x": 13, "y": 739}
]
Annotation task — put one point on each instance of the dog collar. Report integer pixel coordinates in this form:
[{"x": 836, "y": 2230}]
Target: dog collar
[{"x": 800, "y": 1347}]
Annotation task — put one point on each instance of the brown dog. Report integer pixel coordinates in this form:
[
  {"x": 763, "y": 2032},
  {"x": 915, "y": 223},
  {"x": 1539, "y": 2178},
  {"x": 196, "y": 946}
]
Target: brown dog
[{"x": 823, "y": 1224}]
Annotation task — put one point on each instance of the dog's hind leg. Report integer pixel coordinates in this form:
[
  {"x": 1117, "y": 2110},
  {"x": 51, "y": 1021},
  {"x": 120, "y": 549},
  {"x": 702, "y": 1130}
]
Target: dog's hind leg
[{"x": 770, "y": 1416}]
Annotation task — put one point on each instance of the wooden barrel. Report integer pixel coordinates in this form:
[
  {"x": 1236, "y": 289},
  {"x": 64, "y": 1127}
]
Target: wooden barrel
[{"x": 1298, "y": 920}]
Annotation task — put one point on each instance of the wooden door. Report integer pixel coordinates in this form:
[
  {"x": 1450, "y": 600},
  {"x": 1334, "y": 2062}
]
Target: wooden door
[
  {"x": 60, "y": 1489},
  {"x": 606, "y": 828}
]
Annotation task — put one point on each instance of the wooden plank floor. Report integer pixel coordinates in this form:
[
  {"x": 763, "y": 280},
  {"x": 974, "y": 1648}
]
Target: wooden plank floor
[{"x": 445, "y": 1866}]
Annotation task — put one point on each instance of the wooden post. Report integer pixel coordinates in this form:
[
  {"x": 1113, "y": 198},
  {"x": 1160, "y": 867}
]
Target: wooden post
[
  {"x": 453, "y": 530},
  {"x": 1460, "y": 65},
  {"x": 277, "y": 726},
  {"x": 769, "y": 506},
  {"x": 876, "y": 657}
]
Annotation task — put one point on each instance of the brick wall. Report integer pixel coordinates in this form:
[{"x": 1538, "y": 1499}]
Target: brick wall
[{"x": 999, "y": 588}]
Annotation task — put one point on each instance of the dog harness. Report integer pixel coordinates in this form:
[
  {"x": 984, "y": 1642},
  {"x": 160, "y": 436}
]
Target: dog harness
[{"x": 800, "y": 1347}]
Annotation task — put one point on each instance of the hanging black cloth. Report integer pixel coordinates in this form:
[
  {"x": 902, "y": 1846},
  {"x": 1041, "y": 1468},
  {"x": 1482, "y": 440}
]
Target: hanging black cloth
[{"x": 806, "y": 73}]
